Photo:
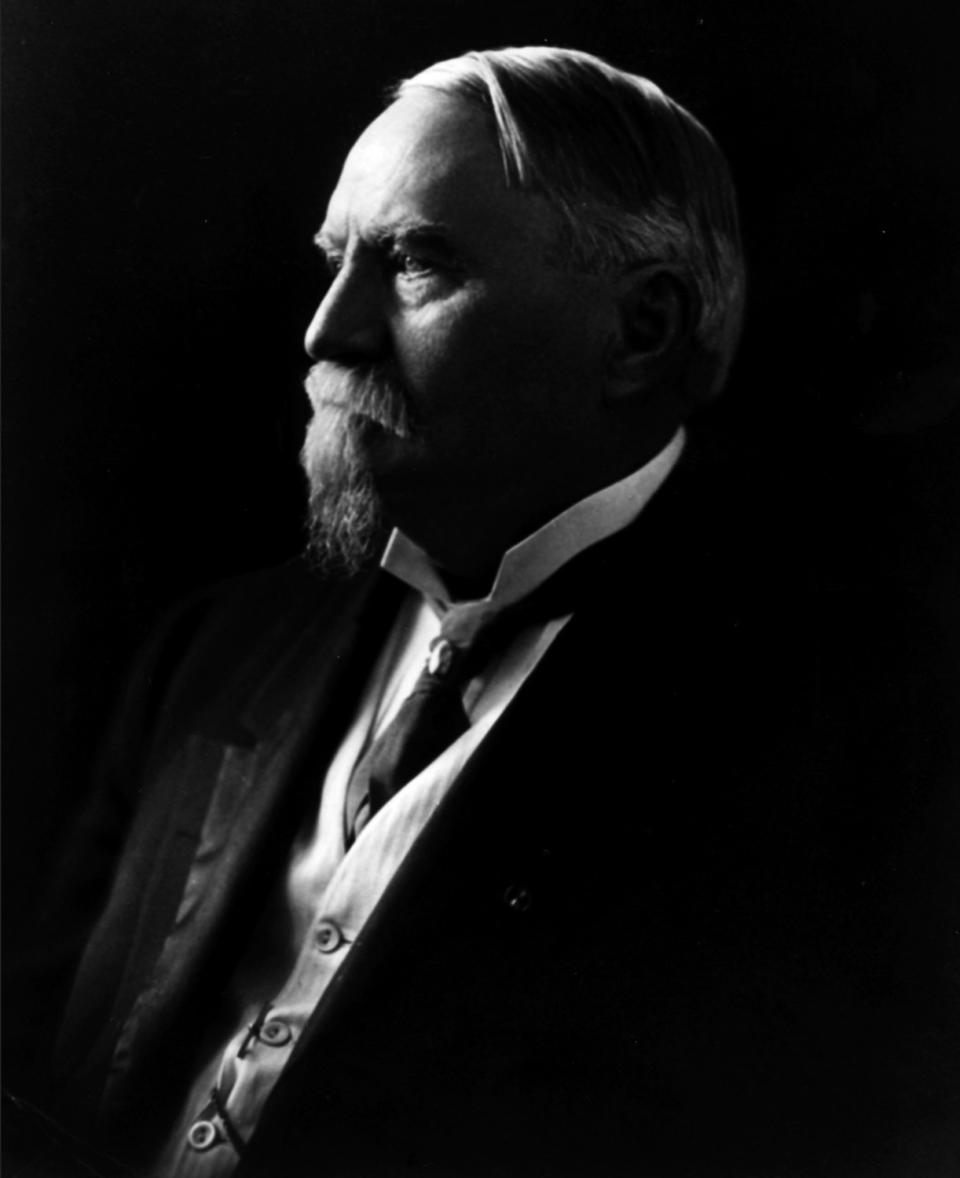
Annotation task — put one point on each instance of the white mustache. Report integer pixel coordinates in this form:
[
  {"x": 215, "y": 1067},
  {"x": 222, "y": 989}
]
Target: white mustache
[{"x": 359, "y": 393}]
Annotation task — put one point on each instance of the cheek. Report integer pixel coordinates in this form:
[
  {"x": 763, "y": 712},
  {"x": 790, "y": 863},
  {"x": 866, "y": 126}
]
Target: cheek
[
  {"x": 429, "y": 341},
  {"x": 455, "y": 361},
  {"x": 477, "y": 361}
]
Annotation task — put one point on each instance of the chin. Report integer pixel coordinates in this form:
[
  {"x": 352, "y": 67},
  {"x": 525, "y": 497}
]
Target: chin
[{"x": 345, "y": 529}]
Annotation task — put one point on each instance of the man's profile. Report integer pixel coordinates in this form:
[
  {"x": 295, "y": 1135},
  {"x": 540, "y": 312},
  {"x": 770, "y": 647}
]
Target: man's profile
[{"x": 548, "y": 819}]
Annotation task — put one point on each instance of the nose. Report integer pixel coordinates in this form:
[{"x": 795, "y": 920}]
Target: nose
[{"x": 350, "y": 324}]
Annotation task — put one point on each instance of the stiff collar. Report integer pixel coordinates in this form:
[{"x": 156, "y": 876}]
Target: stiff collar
[{"x": 526, "y": 565}]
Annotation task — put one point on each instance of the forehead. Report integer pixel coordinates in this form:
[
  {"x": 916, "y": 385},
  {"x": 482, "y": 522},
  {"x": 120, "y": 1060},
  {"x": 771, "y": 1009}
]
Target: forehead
[{"x": 430, "y": 158}]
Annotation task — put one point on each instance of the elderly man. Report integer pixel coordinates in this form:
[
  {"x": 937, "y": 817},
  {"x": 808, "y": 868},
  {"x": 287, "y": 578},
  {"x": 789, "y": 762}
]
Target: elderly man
[{"x": 549, "y": 845}]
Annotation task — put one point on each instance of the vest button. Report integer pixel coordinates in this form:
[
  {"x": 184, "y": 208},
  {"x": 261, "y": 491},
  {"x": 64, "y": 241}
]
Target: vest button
[
  {"x": 517, "y": 898},
  {"x": 328, "y": 936},
  {"x": 275, "y": 1033},
  {"x": 203, "y": 1135}
]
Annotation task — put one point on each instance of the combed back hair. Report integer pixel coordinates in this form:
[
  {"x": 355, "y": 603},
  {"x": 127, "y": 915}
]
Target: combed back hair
[{"x": 633, "y": 176}]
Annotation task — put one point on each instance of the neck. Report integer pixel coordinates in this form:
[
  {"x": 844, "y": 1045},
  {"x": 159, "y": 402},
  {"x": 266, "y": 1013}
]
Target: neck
[
  {"x": 467, "y": 538},
  {"x": 469, "y": 588}
]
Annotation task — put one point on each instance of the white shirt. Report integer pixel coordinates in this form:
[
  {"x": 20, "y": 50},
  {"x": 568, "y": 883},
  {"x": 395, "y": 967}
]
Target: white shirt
[{"x": 330, "y": 890}]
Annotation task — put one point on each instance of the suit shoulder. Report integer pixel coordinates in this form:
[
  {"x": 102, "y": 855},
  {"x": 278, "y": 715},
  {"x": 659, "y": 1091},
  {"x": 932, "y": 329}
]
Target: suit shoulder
[
  {"x": 243, "y": 608},
  {"x": 214, "y": 643},
  {"x": 249, "y": 594}
]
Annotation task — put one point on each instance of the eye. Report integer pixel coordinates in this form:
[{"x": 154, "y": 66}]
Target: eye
[{"x": 409, "y": 265}]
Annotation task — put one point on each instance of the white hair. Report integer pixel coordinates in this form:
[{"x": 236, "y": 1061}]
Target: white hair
[{"x": 634, "y": 176}]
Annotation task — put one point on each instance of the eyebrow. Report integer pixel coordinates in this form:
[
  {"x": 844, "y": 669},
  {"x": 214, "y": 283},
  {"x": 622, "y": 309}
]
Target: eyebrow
[{"x": 422, "y": 234}]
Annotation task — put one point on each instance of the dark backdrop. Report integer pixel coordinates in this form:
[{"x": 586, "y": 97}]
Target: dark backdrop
[{"x": 166, "y": 162}]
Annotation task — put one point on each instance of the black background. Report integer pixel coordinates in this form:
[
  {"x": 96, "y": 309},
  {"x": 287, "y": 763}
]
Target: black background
[{"x": 166, "y": 163}]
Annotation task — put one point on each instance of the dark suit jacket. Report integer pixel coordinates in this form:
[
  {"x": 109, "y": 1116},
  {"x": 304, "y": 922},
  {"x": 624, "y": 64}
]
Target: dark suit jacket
[{"x": 684, "y": 913}]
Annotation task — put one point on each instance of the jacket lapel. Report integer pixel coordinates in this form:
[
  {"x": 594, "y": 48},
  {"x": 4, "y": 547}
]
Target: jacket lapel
[{"x": 226, "y": 834}]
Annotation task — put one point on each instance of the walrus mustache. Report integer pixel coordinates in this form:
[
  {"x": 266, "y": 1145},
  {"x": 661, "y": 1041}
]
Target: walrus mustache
[{"x": 367, "y": 392}]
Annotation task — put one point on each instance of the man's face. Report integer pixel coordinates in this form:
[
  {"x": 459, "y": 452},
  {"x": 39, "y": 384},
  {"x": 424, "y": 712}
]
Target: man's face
[{"x": 459, "y": 365}]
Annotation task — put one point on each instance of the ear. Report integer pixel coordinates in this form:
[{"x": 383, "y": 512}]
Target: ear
[{"x": 656, "y": 307}]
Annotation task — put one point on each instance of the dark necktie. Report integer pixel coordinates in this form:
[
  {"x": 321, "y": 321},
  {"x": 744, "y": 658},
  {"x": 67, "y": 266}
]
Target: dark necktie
[{"x": 429, "y": 720}]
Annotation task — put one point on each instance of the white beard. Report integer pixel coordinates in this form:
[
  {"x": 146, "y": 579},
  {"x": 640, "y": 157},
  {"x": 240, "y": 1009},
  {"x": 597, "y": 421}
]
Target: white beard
[{"x": 345, "y": 522}]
